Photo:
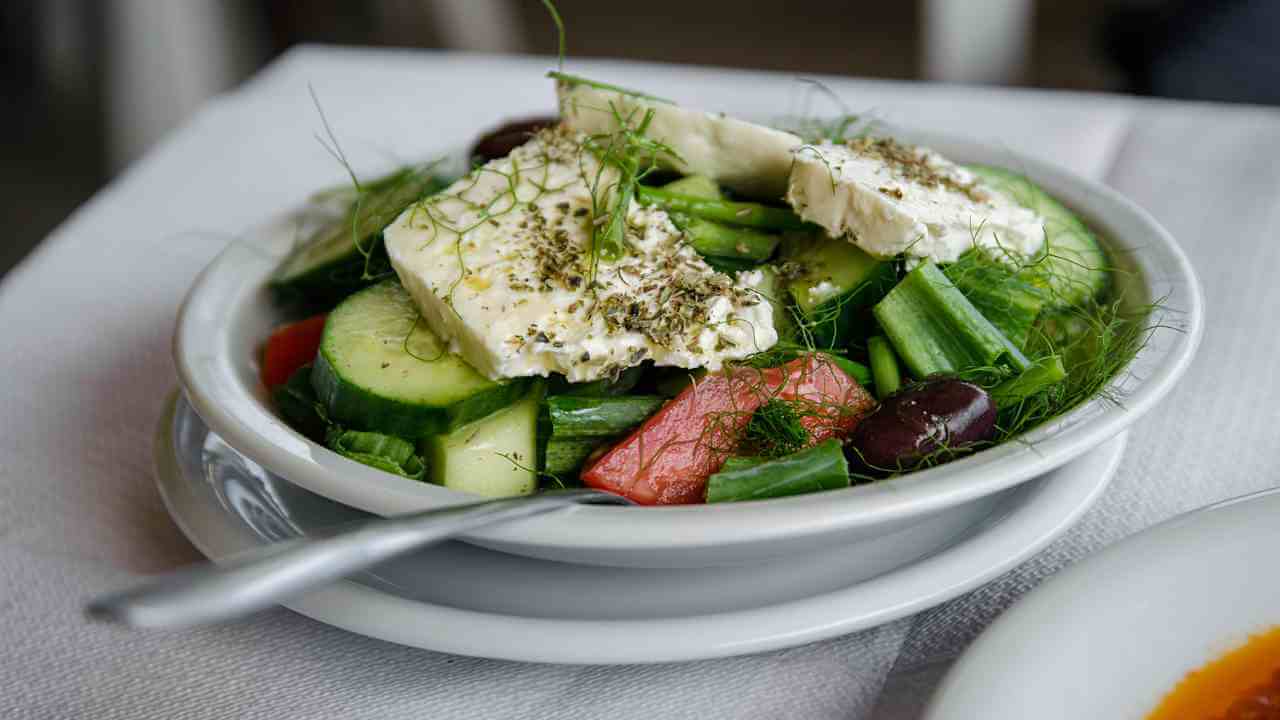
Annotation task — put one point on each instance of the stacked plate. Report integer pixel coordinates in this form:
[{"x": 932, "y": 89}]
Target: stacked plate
[
  {"x": 623, "y": 584},
  {"x": 462, "y": 598}
]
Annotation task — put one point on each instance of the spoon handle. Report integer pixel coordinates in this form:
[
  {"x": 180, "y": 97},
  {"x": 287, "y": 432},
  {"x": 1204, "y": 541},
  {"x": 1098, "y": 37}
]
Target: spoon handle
[{"x": 260, "y": 578}]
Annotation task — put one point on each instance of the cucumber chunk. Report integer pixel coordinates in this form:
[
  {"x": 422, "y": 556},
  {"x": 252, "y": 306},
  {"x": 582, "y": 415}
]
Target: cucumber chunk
[
  {"x": 330, "y": 264},
  {"x": 836, "y": 284},
  {"x": 1074, "y": 267},
  {"x": 494, "y": 456},
  {"x": 380, "y": 368}
]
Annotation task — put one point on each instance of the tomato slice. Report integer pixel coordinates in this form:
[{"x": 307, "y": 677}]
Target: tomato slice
[
  {"x": 668, "y": 459},
  {"x": 289, "y": 348}
]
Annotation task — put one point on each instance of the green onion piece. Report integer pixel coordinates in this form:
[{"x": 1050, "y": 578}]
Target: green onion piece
[
  {"x": 746, "y": 214},
  {"x": 296, "y": 401},
  {"x": 935, "y": 329},
  {"x": 742, "y": 462},
  {"x": 1011, "y": 304},
  {"x": 821, "y": 467},
  {"x": 384, "y": 452},
  {"x": 719, "y": 240},
  {"x": 1046, "y": 372},
  {"x": 884, "y": 366},
  {"x": 852, "y": 368},
  {"x": 572, "y": 416},
  {"x": 699, "y": 186}
]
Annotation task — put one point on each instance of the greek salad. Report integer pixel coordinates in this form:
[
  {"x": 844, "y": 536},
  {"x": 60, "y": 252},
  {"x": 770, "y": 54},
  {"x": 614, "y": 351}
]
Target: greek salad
[{"x": 684, "y": 307}]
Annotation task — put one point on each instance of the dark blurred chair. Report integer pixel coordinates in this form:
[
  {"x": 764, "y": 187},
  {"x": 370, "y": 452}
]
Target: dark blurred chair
[{"x": 1223, "y": 50}]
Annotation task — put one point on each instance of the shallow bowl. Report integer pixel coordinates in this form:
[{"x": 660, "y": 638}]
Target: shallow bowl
[{"x": 228, "y": 313}]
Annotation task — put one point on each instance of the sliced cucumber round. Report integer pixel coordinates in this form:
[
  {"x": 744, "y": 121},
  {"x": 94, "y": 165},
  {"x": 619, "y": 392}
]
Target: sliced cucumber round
[
  {"x": 1074, "y": 267},
  {"x": 342, "y": 256},
  {"x": 381, "y": 368}
]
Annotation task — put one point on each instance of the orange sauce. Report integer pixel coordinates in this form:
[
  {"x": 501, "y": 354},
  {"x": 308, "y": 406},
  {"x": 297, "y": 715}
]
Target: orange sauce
[{"x": 1244, "y": 684}]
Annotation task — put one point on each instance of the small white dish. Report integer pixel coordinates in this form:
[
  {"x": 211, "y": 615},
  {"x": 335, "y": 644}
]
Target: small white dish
[
  {"x": 467, "y": 600},
  {"x": 1111, "y": 636},
  {"x": 228, "y": 314}
]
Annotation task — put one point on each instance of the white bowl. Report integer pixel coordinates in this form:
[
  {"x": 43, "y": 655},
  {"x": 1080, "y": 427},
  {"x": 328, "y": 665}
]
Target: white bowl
[
  {"x": 1110, "y": 637},
  {"x": 229, "y": 313}
]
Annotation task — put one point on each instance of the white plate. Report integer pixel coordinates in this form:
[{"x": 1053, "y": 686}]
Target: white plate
[
  {"x": 1111, "y": 636},
  {"x": 228, "y": 314},
  {"x": 463, "y": 599}
]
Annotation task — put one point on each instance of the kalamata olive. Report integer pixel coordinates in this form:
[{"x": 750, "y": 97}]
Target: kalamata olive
[
  {"x": 921, "y": 419},
  {"x": 499, "y": 143}
]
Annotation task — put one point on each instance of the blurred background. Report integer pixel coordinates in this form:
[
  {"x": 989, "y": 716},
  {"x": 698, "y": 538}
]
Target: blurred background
[{"x": 88, "y": 85}]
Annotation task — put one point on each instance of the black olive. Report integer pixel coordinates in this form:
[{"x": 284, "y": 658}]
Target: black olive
[
  {"x": 921, "y": 419},
  {"x": 499, "y": 143}
]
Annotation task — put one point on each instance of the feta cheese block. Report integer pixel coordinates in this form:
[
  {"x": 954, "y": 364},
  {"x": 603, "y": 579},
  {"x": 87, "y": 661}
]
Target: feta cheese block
[
  {"x": 889, "y": 198},
  {"x": 500, "y": 266},
  {"x": 751, "y": 159}
]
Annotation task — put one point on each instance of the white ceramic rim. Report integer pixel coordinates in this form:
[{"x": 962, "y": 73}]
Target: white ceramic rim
[
  {"x": 972, "y": 675},
  {"x": 233, "y": 408},
  {"x": 973, "y": 561}
]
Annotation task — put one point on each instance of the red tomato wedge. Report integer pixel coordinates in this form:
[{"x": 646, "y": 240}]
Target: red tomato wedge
[
  {"x": 668, "y": 459},
  {"x": 289, "y": 348}
]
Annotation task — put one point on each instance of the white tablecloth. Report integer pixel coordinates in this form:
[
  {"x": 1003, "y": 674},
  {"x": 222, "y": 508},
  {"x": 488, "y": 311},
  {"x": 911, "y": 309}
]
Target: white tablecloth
[{"x": 85, "y": 367}]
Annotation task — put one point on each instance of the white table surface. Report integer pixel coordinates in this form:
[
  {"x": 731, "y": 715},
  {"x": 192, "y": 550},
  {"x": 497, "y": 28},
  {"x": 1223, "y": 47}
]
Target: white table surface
[{"x": 85, "y": 367}]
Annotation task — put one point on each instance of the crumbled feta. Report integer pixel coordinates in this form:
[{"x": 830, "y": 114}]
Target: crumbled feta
[
  {"x": 499, "y": 264},
  {"x": 891, "y": 199},
  {"x": 752, "y": 159}
]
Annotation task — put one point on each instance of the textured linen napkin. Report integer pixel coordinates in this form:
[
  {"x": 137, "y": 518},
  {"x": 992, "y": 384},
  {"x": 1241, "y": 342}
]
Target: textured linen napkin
[{"x": 86, "y": 368}]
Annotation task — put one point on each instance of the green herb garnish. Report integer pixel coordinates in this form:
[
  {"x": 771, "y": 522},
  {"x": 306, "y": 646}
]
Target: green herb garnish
[{"x": 775, "y": 430}]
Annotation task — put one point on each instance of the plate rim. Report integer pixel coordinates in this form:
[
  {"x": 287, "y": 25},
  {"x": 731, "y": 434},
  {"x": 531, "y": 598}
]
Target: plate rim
[
  {"x": 976, "y": 663},
  {"x": 924, "y": 583}
]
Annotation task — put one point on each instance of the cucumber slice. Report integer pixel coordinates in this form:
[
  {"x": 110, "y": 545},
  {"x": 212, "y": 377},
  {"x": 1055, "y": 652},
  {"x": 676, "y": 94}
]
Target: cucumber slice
[
  {"x": 1074, "y": 268},
  {"x": 380, "y": 368},
  {"x": 494, "y": 456},
  {"x": 330, "y": 265},
  {"x": 836, "y": 285}
]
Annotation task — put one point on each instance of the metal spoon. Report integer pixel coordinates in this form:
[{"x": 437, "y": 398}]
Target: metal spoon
[{"x": 262, "y": 577}]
